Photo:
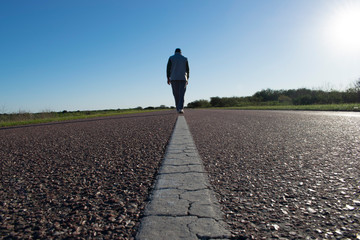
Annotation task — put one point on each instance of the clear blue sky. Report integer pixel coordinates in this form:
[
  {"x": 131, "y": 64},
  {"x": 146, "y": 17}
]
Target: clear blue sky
[{"x": 88, "y": 55}]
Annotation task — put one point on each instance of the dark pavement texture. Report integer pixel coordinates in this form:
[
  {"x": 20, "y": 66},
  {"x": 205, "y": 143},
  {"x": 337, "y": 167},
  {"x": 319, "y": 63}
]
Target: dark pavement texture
[
  {"x": 283, "y": 174},
  {"x": 82, "y": 179}
]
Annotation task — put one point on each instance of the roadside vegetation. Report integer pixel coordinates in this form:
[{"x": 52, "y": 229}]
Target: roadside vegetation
[
  {"x": 24, "y": 118},
  {"x": 299, "y": 99},
  {"x": 268, "y": 99}
]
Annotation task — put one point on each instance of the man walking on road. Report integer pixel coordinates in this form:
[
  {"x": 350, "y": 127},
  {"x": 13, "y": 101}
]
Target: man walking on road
[{"x": 177, "y": 75}]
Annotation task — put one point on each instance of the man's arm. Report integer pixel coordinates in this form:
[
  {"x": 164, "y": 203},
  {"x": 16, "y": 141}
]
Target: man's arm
[
  {"x": 168, "y": 71},
  {"x": 187, "y": 69}
]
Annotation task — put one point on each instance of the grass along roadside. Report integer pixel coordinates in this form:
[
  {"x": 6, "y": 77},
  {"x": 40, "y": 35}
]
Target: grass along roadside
[{"x": 25, "y": 118}]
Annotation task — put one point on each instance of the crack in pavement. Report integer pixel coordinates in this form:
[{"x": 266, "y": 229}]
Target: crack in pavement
[{"x": 182, "y": 205}]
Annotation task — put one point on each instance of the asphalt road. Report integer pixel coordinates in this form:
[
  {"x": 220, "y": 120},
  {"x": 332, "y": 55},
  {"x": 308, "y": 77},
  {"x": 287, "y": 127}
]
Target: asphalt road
[
  {"x": 82, "y": 179},
  {"x": 277, "y": 174},
  {"x": 283, "y": 174}
]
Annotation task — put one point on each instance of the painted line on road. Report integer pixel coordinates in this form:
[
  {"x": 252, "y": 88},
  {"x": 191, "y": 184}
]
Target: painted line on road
[{"x": 182, "y": 205}]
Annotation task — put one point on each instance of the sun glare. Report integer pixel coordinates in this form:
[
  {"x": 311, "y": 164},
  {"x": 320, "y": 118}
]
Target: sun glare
[{"x": 343, "y": 27}]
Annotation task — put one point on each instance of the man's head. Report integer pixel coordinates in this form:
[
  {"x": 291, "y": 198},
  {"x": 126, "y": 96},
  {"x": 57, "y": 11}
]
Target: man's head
[{"x": 178, "y": 50}]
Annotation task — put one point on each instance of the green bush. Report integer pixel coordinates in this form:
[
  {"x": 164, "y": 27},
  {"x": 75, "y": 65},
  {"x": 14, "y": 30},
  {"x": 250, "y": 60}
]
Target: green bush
[{"x": 199, "y": 104}]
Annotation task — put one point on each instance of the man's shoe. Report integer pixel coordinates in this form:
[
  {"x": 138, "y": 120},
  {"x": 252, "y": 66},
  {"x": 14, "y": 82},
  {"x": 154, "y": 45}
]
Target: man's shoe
[{"x": 181, "y": 111}]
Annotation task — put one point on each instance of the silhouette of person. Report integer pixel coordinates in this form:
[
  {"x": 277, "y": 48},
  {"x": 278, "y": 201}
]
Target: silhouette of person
[{"x": 178, "y": 73}]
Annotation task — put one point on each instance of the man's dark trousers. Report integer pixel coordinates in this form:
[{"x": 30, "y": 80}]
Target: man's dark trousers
[{"x": 179, "y": 88}]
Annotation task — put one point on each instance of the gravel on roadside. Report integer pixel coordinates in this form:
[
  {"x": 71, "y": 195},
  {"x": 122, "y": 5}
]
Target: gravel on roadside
[{"x": 80, "y": 179}]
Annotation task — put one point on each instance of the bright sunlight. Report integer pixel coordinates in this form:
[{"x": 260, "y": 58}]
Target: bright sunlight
[{"x": 343, "y": 28}]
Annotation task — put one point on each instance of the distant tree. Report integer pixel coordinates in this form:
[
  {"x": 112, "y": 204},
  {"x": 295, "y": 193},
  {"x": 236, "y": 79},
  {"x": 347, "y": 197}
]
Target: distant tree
[
  {"x": 267, "y": 95},
  {"x": 335, "y": 97},
  {"x": 229, "y": 102},
  {"x": 284, "y": 99},
  {"x": 215, "y": 102},
  {"x": 357, "y": 89},
  {"x": 357, "y": 85},
  {"x": 304, "y": 100},
  {"x": 352, "y": 94},
  {"x": 199, "y": 104}
]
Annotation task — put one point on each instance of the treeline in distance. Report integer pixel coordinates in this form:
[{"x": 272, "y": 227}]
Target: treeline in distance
[{"x": 300, "y": 96}]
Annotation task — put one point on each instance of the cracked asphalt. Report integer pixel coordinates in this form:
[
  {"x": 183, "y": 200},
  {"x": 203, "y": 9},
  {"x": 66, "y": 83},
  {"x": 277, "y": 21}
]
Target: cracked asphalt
[
  {"x": 283, "y": 174},
  {"x": 182, "y": 205}
]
